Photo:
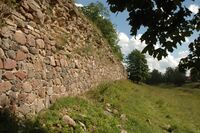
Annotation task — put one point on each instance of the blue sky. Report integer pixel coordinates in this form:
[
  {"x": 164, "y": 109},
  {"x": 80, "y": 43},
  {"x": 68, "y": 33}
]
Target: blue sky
[{"x": 128, "y": 43}]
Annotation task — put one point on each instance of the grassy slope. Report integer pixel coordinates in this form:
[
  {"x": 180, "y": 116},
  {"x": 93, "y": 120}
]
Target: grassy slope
[
  {"x": 135, "y": 108},
  {"x": 146, "y": 109}
]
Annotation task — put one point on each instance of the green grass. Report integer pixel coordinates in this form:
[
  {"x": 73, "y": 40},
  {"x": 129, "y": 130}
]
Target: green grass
[{"x": 123, "y": 105}]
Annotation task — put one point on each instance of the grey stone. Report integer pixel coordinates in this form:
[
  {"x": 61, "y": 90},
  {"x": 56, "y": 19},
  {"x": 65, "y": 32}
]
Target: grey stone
[
  {"x": 49, "y": 91},
  {"x": 47, "y": 101},
  {"x": 14, "y": 46},
  {"x": 52, "y": 61},
  {"x": 6, "y": 32},
  {"x": 33, "y": 50},
  {"x": 33, "y": 24},
  {"x": 24, "y": 109},
  {"x": 11, "y": 23},
  {"x": 13, "y": 95},
  {"x": 4, "y": 101},
  {"x": 29, "y": 16},
  {"x": 30, "y": 27},
  {"x": 19, "y": 15},
  {"x": 11, "y": 54},
  {"x": 24, "y": 49},
  {"x": 31, "y": 40},
  {"x": 40, "y": 43},
  {"x": 40, "y": 16},
  {"x": 5, "y": 44},
  {"x": 2, "y": 55},
  {"x": 40, "y": 105},
  {"x": 33, "y": 5},
  {"x": 123, "y": 131},
  {"x": 69, "y": 121},
  {"x": 57, "y": 81}
]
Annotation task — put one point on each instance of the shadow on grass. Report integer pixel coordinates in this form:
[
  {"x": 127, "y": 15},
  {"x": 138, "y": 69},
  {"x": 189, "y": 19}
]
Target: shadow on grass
[{"x": 9, "y": 123}]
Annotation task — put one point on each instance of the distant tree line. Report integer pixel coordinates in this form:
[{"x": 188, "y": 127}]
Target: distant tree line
[
  {"x": 171, "y": 76},
  {"x": 138, "y": 71}
]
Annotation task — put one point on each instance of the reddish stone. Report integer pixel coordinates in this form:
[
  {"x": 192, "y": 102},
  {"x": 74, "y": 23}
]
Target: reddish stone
[
  {"x": 22, "y": 97},
  {"x": 38, "y": 65},
  {"x": 30, "y": 98},
  {"x": 42, "y": 92},
  {"x": 1, "y": 64},
  {"x": 9, "y": 75},
  {"x": 21, "y": 75},
  {"x": 20, "y": 56},
  {"x": 9, "y": 64},
  {"x": 63, "y": 62},
  {"x": 4, "y": 86},
  {"x": 27, "y": 87}
]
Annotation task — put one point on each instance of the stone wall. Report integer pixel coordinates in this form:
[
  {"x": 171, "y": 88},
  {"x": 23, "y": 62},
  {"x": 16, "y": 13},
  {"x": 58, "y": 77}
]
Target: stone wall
[{"x": 49, "y": 50}]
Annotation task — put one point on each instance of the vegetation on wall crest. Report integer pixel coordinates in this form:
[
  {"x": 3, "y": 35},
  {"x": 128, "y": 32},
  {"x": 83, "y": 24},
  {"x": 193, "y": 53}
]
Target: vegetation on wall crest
[{"x": 99, "y": 16}]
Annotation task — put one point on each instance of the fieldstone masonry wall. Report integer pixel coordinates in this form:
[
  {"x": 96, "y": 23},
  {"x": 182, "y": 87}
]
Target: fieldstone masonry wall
[{"x": 49, "y": 50}]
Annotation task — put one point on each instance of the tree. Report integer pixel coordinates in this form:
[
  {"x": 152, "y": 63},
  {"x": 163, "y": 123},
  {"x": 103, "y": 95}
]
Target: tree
[
  {"x": 99, "y": 14},
  {"x": 174, "y": 76},
  {"x": 167, "y": 23},
  {"x": 155, "y": 77},
  {"x": 137, "y": 66},
  {"x": 169, "y": 75},
  {"x": 179, "y": 77},
  {"x": 192, "y": 61},
  {"x": 194, "y": 74}
]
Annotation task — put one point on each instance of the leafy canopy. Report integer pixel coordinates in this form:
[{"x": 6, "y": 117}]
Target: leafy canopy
[
  {"x": 168, "y": 23},
  {"x": 192, "y": 61},
  {"x": 195, "y": 75},
  {"x": 137, "y": 66},
  {"x": 171, "y": 76},
  {"x": 174, "y": 76},
  {"x": 99, "y": 14},
  {"x": 155, "y": 77}
]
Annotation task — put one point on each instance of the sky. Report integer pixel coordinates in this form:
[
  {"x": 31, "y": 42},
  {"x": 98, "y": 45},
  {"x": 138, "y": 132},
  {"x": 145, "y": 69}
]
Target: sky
[{"x": 129, "y": 43}]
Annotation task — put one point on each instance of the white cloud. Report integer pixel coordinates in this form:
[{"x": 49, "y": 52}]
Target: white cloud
[
  {"x": 78, "y": 5},
  {"x": 194, "y": 8},
  {"x": 127, "y": 45}
]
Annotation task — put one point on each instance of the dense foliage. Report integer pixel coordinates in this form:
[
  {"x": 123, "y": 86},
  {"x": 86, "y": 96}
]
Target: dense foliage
[
  {"x": 193, "y": 59},
  {"x": 195, "y": 75},
  {"x": 99, "y": 14},
  {"x": 155, "y": 77},
  {"x": 168, "y": 23},
  {"x": 171, "y": 76},
  {"x": 137, "y": 66}
]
